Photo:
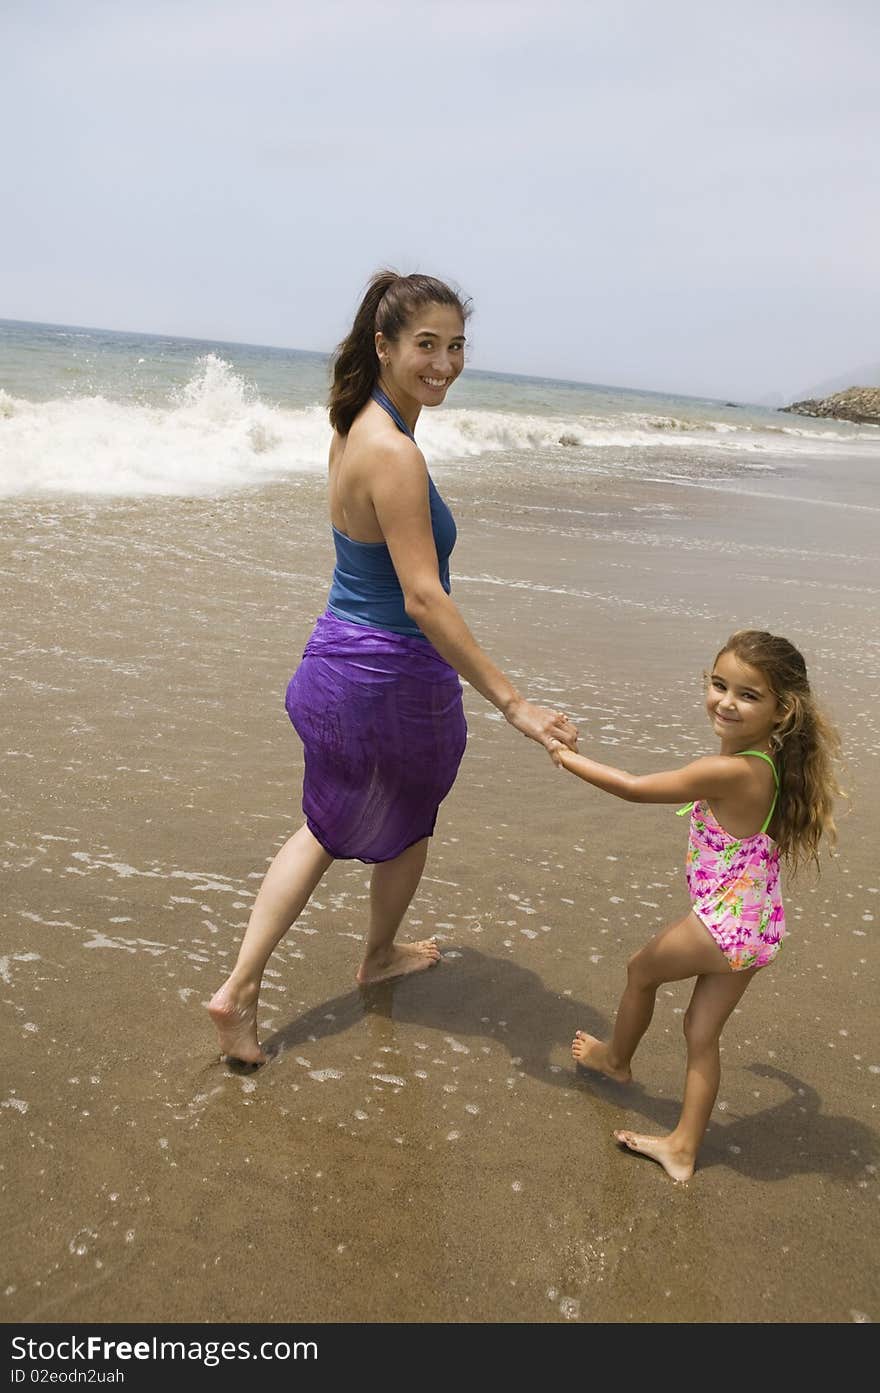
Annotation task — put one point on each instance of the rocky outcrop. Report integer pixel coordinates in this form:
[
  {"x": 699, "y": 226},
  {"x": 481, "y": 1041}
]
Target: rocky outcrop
[{"x": 860, "y": 404}]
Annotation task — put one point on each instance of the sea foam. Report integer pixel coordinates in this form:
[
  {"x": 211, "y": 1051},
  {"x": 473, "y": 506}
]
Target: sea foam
[{"x": 215, "y": 434}]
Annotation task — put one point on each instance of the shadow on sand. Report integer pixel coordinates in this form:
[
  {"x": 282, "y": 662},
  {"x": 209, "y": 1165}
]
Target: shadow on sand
[
  {"x": 499, "y": 999},
  {"x": 468, "y": 994}
]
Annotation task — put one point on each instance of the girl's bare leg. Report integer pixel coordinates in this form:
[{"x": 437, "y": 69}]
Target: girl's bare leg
[
  {"x": 683, "y": 949},
  {"x": 392, "y": 886},
  {"x": 284, "y": 893},
  {"x": 714, "y": 997}
]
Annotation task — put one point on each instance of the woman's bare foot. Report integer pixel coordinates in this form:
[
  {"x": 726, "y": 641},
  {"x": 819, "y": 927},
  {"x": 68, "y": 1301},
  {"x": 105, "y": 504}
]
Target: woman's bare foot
[
  {"x": 592, "y": 1054},
  {"x": 396, "y": 961},
  {"x": 235, "y": 1016},
  {"x": 677, "y": 1163}
]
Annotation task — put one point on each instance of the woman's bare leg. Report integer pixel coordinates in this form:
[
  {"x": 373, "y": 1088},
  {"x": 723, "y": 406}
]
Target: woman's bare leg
[
  {"x": 714, "y": 997},
  {"x": 284, "y": 893},
  {"x": 683, "y": 949},
  {"x": 392, "y": 886}
]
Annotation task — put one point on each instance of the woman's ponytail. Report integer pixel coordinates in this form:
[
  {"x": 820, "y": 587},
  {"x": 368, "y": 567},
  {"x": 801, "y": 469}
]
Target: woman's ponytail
[{"x": 355, "y": 364}]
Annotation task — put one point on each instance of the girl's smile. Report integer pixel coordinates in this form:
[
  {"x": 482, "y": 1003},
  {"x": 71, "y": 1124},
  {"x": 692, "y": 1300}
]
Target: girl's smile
[{"x": 740, "y": 704}]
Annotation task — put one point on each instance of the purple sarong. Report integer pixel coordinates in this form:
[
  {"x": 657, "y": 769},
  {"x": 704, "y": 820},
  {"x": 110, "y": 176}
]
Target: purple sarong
[{"x": 381, "y": 718}]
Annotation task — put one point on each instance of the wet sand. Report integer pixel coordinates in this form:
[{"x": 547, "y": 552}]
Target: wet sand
[{"x": 422, "y": 1151}]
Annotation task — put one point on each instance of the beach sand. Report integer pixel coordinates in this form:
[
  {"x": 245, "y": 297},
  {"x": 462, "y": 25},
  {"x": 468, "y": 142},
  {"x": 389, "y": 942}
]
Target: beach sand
[{"x": 423, "y": 1151}]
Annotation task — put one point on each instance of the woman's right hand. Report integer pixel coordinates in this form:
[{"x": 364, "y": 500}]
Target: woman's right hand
[{"x": 542, "y": 724}]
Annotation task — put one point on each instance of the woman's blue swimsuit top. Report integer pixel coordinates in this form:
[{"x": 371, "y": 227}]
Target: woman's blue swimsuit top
[{"x": 365, "y": 588}]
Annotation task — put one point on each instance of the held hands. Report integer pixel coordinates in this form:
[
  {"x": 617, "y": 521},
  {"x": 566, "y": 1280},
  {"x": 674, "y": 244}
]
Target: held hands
[
  {"x": 554, "y": 750},
  {"x": 541, "y": 724}
]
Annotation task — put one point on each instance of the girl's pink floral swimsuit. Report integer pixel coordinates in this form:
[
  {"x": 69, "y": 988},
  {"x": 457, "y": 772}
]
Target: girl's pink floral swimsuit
[{"x": 734, "y": 884}]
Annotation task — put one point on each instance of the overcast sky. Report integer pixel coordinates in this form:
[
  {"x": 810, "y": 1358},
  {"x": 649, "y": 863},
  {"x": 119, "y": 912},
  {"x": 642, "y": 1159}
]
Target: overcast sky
[{"x": 680, "y": 196}]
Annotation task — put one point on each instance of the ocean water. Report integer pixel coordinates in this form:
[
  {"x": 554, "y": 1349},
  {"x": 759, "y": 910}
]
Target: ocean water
[{"x": 92, "y": 412}]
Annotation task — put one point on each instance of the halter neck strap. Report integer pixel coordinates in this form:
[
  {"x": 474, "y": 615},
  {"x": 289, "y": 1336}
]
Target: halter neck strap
[{"x": 387, "y": 404}]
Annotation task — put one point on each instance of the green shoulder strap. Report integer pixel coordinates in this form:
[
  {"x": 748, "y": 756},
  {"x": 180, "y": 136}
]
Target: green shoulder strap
[
  {"x": 688, "y": 807},
  {"x": 760, "y": 754}
]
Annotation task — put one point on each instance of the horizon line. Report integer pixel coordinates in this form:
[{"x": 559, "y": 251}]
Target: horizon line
[{"x": 323, "y": 353}]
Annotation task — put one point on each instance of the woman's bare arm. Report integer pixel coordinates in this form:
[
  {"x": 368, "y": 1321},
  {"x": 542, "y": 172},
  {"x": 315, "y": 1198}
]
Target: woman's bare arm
[{"x": 399, "y": 492}]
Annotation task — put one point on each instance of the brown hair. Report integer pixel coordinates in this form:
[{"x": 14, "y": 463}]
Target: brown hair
[
  {"x": 389, "y": 303},
  {"x": 805, "y": 742}
]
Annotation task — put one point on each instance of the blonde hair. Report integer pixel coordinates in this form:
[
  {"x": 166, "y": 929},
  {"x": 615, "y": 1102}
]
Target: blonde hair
[{"x": 804, "y": 741}]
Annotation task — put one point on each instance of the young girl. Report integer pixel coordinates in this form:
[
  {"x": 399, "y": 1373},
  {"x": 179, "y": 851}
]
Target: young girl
[{"x": 768, "y": 793}]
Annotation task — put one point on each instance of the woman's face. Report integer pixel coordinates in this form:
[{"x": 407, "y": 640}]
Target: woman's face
[{"x": 427, "y": 358}]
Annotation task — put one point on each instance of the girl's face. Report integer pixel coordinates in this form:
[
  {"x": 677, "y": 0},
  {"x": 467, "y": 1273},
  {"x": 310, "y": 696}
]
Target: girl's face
[
  {"x": 740, "y": 704},
  {"x": 427, "y": 358}
]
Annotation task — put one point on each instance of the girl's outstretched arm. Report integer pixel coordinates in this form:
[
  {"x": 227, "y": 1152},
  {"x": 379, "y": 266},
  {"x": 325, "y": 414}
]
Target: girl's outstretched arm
[{"x": 713, "y": 776}]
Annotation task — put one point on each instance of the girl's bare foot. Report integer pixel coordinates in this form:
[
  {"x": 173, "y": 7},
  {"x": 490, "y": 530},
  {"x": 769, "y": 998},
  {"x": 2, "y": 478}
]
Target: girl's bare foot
[
  {"x": 396, "y": 961},
  {"x": 677, "y": 1163},
  {"x": 592, "y": 1054},
  {"x": 235, "y": 1016}
]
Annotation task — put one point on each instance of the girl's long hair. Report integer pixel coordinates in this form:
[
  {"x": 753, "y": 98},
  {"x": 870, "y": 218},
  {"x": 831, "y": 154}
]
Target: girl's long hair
[
  {"x": 804, "y": 741},
  {"x": 390, "y": 302}
]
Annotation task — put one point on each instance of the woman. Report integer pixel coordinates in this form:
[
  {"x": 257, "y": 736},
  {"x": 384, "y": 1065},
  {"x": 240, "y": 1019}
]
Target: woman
[{"x": 376, "y": 699}]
